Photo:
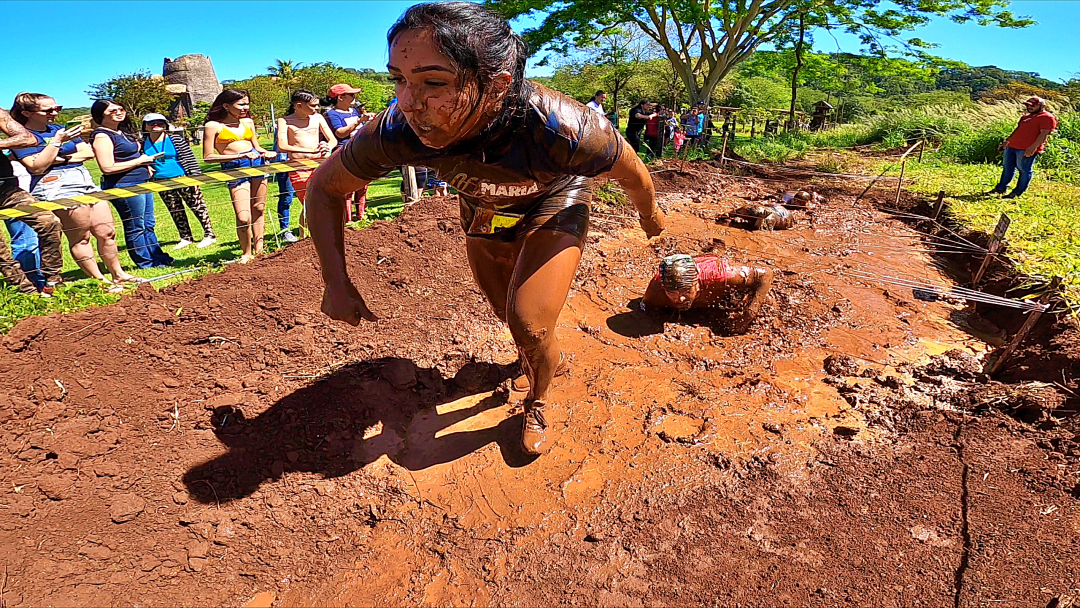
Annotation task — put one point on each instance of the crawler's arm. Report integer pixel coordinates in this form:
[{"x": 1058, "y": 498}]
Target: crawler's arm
[
  {"x": 633, "y": 176},
  {"x": 655, "y": 298},
  {"x": 758, "y": 281}
]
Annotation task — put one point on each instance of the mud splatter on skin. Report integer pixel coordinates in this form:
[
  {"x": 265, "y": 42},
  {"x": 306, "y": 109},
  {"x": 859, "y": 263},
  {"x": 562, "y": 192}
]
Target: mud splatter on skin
[{"x": 440, "y": 108}]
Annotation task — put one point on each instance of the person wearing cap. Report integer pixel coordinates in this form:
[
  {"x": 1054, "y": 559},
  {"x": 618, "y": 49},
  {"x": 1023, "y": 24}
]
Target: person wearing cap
[
  {"x": 707, "y": 281},
  {"x": 345, "y": 121},
  {"x": 174, "y": 158},
  {"x": 1025, "y": 145}
]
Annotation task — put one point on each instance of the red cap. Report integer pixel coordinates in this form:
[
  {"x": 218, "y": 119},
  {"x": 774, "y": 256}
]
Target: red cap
[
  {"x": 1036, "y": 99},
  {"x": 341, "y": 89}
]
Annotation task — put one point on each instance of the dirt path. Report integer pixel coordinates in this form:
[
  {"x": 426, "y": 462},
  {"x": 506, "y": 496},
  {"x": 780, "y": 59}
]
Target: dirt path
[{"x": 222, "y": 439}]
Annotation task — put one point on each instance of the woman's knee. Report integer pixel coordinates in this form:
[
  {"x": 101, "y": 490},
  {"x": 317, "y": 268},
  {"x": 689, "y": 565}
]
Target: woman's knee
[
  {"x": 243, "y": 218},
  {"x": 527, "y": 325}
]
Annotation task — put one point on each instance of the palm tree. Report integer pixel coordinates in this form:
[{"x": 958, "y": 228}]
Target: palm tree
[{"x": 284, "y": 71}]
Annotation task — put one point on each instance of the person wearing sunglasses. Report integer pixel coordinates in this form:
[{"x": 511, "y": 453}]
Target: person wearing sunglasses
[
  {"x": 56, "y": 166},
  {"x": 119, "y": 154},
  {"x": 175, "y": 159},
  {"x": 44, "y": 223},
  {"x": 1025, "y": 145}
]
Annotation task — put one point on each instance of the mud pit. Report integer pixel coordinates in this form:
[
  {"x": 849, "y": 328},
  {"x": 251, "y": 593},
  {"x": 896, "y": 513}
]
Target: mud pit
[{"x": 222, "y": 442}]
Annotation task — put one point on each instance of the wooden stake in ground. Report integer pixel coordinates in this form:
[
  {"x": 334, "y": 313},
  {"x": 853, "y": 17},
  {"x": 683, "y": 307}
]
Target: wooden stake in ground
[
  {"x": 1033, "y": 318},
  {"x": 939, "y": 204},
  {"x": 411, "y": 192},
  {"x": 723, "y": 149},
  {"x": 903, "y": 165},
  {"x": 992, "y": 247}
]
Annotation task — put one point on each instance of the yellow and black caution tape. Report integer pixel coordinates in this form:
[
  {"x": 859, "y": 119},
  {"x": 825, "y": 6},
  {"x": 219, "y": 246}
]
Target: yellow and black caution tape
[{"x": 212, "y": 177}]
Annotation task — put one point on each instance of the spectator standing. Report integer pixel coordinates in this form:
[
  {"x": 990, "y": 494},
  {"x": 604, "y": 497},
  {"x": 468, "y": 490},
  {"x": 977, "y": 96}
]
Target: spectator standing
[
  {"x": 639, "y": 115},
  {"x": 597, "y": 102},
  {"x": 24, "y": 241},
  {"x": 229, "y": 138},
  {"x": 175, "y": 159},
  {"x": 304, "y": 134},
  {"x": 692, "y": 127},
  {"x": 345, "y": 120},
  {"x": 119, "y": 155},
  {"x": 45, "y": 224},
  {"x": 1025, "y": 145},
  {"x": 652, "y": 134},
  {"x": 286, "y": 192},
  {"x": 55, "y": 163}
]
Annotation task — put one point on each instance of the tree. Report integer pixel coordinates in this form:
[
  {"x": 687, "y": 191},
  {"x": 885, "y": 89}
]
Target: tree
[
  {"x": 284, "y": 71},
  {"x": 707, "y": 38},
  {"x": 140, "y": 93},
  {"x": 620, "y": 52}
]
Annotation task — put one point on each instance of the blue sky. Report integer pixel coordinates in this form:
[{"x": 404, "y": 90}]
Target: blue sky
[{"x": 353, "y": 34}]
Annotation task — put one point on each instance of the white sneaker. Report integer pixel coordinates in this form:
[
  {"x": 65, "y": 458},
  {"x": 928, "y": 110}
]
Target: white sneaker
[
  {"x": 183, "y": 243},
  {"x": 206, "y": 242}
]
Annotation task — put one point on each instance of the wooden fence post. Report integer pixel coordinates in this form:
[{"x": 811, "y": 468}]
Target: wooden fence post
[
  {"x": 992, "y": 247},
  {"x": 1033, "y": 318},
  {"x": 411, "y": 193},
  {"x": 939, "y": 204}
]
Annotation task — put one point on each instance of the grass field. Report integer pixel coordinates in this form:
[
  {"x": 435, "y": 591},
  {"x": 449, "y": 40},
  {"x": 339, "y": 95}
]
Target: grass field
[
  {"x": 77, "y": 292},
  {"x": 1044, "y": 238}
]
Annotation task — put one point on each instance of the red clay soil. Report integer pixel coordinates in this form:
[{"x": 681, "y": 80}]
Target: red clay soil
[{"x": 221, "y": 440}]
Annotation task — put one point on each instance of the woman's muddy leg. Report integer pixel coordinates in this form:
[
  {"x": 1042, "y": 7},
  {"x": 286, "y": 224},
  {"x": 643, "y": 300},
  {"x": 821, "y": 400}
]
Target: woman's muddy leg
[
  {"x": 241, "y": 201},
  {"x": 492, "y": 265},
  {"x": 545, "y": 268},
  {"x": 77, "y": 227}
]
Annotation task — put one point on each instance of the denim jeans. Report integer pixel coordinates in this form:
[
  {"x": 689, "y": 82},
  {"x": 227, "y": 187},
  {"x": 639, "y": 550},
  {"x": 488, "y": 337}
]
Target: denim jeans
[
  {"x": 284, "y": 199},
  {"x": 24, "y": 248},
  {"x": 1014, "y": 159},
  {"x": 137, "y": 215}
]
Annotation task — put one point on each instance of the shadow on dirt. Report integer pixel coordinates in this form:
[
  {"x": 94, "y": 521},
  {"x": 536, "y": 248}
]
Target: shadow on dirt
[
  {"x": 633, "y": 323},
  {"x": 352, "y": 417}
]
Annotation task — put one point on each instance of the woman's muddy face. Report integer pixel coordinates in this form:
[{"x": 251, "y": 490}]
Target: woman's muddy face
[{"x": 439, "y": 107}]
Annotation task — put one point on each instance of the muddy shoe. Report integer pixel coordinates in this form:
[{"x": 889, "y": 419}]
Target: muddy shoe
[
  {"x": 521, "y": 383},
  {"x": 536, "y": 434}
]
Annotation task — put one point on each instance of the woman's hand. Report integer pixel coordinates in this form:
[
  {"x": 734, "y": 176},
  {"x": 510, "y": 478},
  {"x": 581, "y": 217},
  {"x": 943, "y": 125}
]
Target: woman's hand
[
  {"x": 269, "y": 155},
  {"x": 342, "y": 302},
  {"x": 66, "y": 135},
  {"x": 147, "y": 159},
  {"x": 654, "y": 223},
  {"x": 323, "y": 149},
  {"x": 251, "y": 154}
]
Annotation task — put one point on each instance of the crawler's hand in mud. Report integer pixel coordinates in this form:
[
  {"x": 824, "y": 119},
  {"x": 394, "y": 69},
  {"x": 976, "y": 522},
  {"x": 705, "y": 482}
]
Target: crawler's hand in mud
[
  {"x": 344, "y": 303},
  {"x": 654, "y": 224}
]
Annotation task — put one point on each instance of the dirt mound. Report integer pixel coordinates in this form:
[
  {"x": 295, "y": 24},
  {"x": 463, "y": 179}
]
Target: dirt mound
[{"x": 222, "y": 438}]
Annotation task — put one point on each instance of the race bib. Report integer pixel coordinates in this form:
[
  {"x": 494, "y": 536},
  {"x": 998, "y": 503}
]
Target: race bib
[{"x": 490, "y": 221}]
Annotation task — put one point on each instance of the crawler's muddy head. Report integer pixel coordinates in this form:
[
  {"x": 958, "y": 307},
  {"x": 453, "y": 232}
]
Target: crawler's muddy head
[{"x": 679, "y": 278}]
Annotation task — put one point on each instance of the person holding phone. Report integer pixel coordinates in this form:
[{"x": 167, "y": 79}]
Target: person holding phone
[
  {"x": 175, "y": 159},
  {"x": 119, "y": 155},
  {"x": 304, "y": 134},
  {"x": 229, "y": 138},
  {"x": 345, "y": 118},
  {"x": 56, "y": 167}
]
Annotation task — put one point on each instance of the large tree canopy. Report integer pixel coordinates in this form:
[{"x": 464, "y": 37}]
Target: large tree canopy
[{"x": 705, "y": 39}]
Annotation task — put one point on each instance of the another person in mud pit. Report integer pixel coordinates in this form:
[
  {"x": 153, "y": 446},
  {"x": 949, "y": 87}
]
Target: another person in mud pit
[
  {"x": 519, "y": 155},
  {"x": 708, "y": 281},
  {"x": 759, "y": 217}
]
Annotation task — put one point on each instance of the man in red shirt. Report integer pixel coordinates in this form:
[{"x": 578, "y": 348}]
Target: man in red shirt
[{"x": 1024, "y": 146}]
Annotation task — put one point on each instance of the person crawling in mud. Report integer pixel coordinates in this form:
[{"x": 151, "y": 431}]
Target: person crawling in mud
[
  {"x": 801, "y": 199},
  {"x": 708, "y": 281},
  {"x": 520, "y": 155},
  {"x": 759, "y": 217}
]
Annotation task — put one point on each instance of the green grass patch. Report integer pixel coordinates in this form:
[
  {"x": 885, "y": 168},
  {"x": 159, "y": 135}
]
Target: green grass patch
[
  {"x": 1044, "y": 238},
  {"x": 78, "y": 291}
]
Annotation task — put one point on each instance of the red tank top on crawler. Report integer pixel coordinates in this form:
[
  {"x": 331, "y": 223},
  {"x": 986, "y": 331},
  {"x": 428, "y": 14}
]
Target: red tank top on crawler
[{"x": 711, "y": 270}]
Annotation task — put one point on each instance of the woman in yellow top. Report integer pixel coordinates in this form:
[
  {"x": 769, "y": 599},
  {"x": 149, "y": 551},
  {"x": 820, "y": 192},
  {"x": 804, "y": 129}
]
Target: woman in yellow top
[{"x": 229, "y": 138}]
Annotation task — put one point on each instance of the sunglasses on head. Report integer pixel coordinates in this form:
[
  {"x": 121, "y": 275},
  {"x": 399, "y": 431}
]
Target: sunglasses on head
[{"x": 52, "y": 110}]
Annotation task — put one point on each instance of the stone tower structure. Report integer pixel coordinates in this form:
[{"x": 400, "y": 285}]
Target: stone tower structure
[{"x": 196, "y": 73}]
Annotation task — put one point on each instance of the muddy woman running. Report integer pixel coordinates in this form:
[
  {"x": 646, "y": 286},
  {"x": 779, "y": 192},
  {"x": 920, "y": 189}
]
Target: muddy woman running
[{"x": 518, "y": 154}]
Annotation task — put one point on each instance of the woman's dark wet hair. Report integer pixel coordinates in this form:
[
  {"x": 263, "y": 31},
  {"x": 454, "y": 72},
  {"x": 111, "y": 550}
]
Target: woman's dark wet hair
[
  {"x": 678, "y": 272},
  {"x": 480, "y": 44},
  {"x": 97, "y": 113},
  {"x": 300, "y": 96},
  {"x": 217, "y": 109}
]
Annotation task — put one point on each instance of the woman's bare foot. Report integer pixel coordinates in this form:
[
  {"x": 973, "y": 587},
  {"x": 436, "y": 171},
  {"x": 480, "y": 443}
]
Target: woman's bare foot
[{"x": 247, "y": 257}]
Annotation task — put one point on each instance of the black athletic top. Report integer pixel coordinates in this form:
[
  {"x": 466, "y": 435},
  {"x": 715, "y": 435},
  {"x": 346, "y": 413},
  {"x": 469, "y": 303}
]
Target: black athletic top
[
  {"x": 560, "y": 139},
  {"x": 635, "y": 125},
  {"x": 7, "y": 174}
]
